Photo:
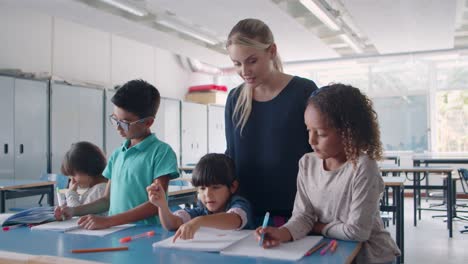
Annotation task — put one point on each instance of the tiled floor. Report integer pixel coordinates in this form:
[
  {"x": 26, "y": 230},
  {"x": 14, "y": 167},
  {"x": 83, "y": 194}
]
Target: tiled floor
[{"x": 429, "y": 242}]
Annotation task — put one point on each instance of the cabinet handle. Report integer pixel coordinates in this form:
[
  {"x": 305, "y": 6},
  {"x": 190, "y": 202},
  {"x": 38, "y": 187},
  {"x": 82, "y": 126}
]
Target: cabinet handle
[
  {"x": 5, "y": 148},
  {"x": 21, "y": 148}
]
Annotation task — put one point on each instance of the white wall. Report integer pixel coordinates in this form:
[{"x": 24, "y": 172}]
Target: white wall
[
  {"x": 81, "y": 53},
  {"x": 26, "y": 40},
  {"x": 36, "y": 42},
  {"x": 131, "y": 60}
]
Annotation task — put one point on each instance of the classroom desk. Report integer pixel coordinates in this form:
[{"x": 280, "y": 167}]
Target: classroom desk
[
  {"x": 417, "y": 188},
  {"x": 438, "y": 159},
  {"x": 418, "y": 160},
  {"x": 397, "y": 184},
  {"x": 187, "y": 169},
  {"x": 394, "y": 158},
  {"x": 181, "y": 195},
  {"x": 11, "y": 189},
  {"x": 22, "y": 240}
]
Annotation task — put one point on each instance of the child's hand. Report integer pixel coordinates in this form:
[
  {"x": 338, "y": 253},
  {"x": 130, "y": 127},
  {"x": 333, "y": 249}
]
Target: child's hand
[
  {"x": 93, "y": 222},
  {"x": 156, "y": 194},
  {"x": 318, "y": 228},
  {"x": 273, "y": 236},
  {"x": 63, "y": 213},
  {"x": 187, "y": 230},
  {"x": 73, "y": 185}
]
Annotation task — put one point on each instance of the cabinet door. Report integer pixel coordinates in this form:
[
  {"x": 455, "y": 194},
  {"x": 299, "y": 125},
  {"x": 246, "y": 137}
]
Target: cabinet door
[
  {"x": 31, "y": 128},
  {"x": 91, "y": 123},
  {"x": 112, "y": 137},
  {"x": 64, "y": 113},
  {"x": 7, "y": 133},
  {"x": 167, "y": 124},
  {"x": 76, "y": 115},
  {"x": 194, "y": 132},
  {"x": 216, "y": 133}
]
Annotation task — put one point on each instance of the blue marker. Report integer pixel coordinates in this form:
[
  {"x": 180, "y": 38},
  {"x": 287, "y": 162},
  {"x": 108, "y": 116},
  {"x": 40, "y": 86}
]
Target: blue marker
[{"x": 265, "y": 224}]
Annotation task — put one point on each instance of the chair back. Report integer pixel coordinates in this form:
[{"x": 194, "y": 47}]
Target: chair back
[
  {"x": 61, "y": 181},
  {"x": 464, "y": 179}
]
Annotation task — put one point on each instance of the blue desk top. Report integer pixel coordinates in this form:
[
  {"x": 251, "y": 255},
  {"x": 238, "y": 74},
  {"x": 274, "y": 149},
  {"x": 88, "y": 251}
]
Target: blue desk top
[{"x": 23, "y": 240}]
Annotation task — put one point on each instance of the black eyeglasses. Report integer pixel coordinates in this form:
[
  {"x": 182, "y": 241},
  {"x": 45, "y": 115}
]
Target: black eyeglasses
[{"x": 125, "y": 125}]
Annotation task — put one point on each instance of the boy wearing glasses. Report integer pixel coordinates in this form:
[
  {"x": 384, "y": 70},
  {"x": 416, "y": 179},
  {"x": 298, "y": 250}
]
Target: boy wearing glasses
[{"x": 141, "y": 160}]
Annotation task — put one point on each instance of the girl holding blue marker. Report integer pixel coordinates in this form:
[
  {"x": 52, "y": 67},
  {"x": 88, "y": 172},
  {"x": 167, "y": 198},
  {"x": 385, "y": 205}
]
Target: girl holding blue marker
[
  {"x": 339, "y": 184},
  {"x": 218, "y": 204}
]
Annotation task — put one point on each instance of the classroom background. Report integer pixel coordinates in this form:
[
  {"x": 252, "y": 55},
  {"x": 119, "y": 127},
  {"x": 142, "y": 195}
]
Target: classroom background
[{"x": 60, "y": 62}]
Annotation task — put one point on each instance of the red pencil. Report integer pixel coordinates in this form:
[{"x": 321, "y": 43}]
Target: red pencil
[
  {"x": 91, "y": 250},
  {"x": 312, "y": 250}
]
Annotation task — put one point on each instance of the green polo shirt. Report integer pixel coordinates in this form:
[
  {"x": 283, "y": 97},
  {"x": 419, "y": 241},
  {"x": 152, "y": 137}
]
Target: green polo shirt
[{"x": 131, "y": 170}]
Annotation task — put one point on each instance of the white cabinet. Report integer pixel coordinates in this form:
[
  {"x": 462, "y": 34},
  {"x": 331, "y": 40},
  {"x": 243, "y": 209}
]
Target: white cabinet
[
  {"x": 24, "y": 129},
  {"x": 112, "y": 137},
  {"x": 216, "y": 133},
  {"x": 76, "y": 115},
  {"x": 166, "y": 126},
  {"x": 194, "y": 132}
]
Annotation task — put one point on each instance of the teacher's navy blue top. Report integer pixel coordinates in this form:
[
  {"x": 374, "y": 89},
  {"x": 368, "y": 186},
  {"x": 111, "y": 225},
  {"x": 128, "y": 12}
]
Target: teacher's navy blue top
[{"x": 267, "y": 153}]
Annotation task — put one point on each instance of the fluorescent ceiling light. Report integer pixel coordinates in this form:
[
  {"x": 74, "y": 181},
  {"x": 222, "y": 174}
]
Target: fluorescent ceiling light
[
  {"x": 187, "y": 30},
  {"x": 129, "y": 9},
  {"x": 321, "y": 14},
  {"x": 352, "y": 43}
]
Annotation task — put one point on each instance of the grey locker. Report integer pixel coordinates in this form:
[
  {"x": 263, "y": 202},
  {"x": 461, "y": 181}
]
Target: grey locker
[
  {"x": 76, "y": 115},
  {"x": 112, "y": 137},
  {"x": 216, "y": 132},
  {"x": 7, "y": 129},
  {"x": 24, "y": 129},
  {"x": 194, "y": 132},
  {"x": 31, "y": 128},
  {"x": 167, "y": 124}
]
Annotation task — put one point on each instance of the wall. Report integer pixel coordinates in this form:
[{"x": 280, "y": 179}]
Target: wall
[{"x": 37, "y": 42}]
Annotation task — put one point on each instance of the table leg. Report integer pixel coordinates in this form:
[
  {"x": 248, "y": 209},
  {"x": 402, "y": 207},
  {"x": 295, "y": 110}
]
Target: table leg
[
  {"x": 50, "y": 195},
  {"x": 449, "y": 203},
  {"x": 2, "y": 202},
  {"x": 415, "y": 194}
]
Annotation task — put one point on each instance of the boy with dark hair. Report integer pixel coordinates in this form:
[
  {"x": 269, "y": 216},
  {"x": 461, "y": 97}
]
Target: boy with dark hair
[{"x": 141, "y": 160}]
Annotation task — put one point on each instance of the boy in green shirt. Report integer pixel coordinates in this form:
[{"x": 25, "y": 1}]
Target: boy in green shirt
[{"x": 141, "y": 160}]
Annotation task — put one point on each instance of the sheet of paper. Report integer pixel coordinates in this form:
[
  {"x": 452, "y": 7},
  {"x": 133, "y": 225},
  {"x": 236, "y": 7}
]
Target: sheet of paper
[
  {"x": 206, "y": 239},
  {"x": 100, "y": 232},
  {"x": 4, "y": 217},
  {"x": 60, "y": 226},
  {"x": 293, "y": 251},
  {"x": 71, "y": 227}
]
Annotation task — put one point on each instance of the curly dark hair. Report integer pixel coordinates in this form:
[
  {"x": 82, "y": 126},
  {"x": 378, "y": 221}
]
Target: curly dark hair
[{"x": 352, "y": 114}]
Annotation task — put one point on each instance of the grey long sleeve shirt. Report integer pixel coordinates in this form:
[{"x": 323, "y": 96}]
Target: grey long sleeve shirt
[{"x": 347, "y": 201}]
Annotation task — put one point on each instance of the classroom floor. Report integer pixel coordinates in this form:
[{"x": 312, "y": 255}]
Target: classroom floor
[{"x": 429, "y": 242}]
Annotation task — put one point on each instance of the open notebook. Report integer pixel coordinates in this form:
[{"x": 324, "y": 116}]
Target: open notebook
[
  {"x": 206, "y": 239},
  {"x": 30, "y": 216},
  {"x": 292, "y": 251},
  {"x": 71, "y": 227}
]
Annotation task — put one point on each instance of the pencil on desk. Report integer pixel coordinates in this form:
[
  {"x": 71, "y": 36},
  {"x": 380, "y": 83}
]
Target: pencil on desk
[
  {"x": 324, "y": 251},
  {"x": 334, "y": 246},
  {"x": 91, "y": 250},
  {"x": 312, "y": 250}
]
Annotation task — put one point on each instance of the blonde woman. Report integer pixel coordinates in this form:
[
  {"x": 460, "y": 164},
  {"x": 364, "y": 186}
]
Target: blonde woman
[{"x": 265, "y": 131}]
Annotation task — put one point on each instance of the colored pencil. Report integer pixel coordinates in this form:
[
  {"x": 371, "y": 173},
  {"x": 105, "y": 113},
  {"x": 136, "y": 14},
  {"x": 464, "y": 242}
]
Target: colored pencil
[{"x": 91, "y": 250}]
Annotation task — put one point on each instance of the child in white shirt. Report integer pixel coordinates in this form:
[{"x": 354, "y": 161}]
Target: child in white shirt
[{"x": 84, "y": 163}]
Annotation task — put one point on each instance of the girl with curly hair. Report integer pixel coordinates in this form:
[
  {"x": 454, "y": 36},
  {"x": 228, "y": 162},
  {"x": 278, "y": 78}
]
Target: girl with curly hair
[{"x": 339, "y": 184}]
